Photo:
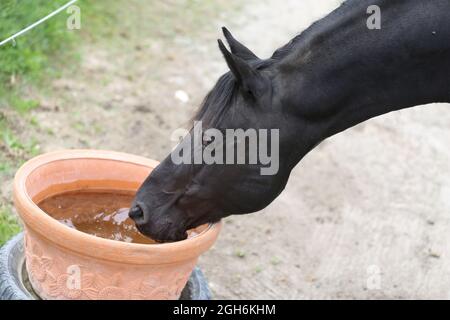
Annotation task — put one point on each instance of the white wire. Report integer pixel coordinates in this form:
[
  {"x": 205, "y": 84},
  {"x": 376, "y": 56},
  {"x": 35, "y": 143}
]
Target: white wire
[{"x": 18, "y": 34}]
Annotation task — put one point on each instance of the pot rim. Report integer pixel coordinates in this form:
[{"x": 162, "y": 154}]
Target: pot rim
[{"x": 89, "y": 245}]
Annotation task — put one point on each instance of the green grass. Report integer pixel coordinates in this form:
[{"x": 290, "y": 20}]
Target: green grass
[
  {"x": 22, "y": 105},
  {"x": 41, "y": 53},
  {"x": 31, "y": 53},
  {"x": 26, "y": 65},
  {"x": 45, "y": 51},
  {"x": 9, "y": 226},
  {"x": 12, "y": 142}
]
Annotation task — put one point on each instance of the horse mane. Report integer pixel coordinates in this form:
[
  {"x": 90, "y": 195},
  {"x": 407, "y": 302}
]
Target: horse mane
[{"x": 217, "y": 101}]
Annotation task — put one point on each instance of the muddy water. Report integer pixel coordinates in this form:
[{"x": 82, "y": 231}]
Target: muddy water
[{"x": 101, "y": 214}]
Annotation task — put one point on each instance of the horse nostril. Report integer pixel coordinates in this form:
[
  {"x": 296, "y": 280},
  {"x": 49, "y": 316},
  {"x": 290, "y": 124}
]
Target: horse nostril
[{"x": 136, "y": 213}]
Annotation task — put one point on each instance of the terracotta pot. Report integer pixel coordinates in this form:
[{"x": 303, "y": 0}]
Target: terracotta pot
[{"x": 64, "y": 263}]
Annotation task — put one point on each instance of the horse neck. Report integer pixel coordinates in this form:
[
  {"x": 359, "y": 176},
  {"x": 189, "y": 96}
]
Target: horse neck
[{"x": 345, "y": 73}]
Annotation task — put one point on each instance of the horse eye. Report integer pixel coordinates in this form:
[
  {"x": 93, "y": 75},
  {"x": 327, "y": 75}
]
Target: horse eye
[{"x": 247, "y": 93}]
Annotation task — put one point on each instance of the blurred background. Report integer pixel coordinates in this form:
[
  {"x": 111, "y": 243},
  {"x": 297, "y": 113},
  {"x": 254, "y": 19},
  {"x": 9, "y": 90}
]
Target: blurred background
[{"x": 365, "y": 215}]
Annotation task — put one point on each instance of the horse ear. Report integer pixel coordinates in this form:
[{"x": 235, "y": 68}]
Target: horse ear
[
  {"x": 238, "y": 48},
  {"x": 249, "y": 78}
]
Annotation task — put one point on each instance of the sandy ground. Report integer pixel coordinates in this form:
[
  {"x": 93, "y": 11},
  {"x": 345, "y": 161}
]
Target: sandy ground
[{"x": 365, "y": 215}]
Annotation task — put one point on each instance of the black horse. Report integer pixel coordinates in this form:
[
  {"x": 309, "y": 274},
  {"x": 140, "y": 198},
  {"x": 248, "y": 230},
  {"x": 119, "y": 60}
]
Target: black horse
[{"x": 334, "y": 75}]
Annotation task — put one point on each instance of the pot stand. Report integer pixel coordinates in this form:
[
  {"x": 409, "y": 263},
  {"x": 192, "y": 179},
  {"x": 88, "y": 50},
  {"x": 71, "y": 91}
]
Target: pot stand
[{"x": 14, "y": 284}]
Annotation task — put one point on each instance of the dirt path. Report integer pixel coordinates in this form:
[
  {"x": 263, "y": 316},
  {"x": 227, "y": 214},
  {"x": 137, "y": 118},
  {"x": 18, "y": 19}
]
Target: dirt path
[{"x": 372, "y": 203}]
